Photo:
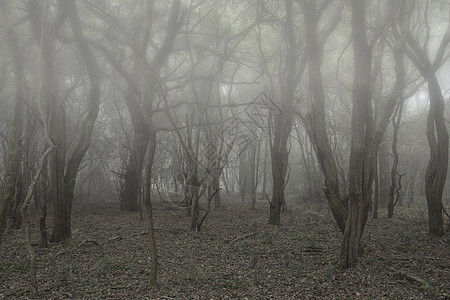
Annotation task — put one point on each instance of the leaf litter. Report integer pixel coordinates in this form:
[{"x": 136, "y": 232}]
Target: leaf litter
[{"x": 236, "y": 255}]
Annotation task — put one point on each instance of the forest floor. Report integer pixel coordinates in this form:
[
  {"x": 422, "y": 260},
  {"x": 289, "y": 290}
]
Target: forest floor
[{"x": 236, "y": 255}]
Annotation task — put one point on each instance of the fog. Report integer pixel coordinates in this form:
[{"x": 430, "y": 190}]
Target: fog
[{"x": 204, "y": 104}]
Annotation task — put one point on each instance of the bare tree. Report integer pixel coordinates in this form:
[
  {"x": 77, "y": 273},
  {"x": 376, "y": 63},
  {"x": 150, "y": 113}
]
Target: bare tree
[
  {"x": 14, "y": 153},
  {"x": 282, "y": 122},
  {"x": 87, "y": 127},
  {"x": 366, "y": 131},
  {"x": 314, "y": 121},
  {"x": 437, "y": 134}
]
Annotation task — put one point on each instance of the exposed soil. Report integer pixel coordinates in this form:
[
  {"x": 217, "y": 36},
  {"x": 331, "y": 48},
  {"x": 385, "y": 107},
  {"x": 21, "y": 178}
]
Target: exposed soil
[{"x": 237, "y": 255}]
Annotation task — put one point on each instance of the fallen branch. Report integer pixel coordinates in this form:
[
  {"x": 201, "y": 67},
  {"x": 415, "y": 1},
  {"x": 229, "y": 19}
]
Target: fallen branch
[
  {"x": 99, "y": 290},
  {"x": 76, "y": 247},
  {"x": 415, "y": 278},
  {"x": 240, "y": 238},
  {"x": 313, "y": 249},
  {"x": 424, "y": 284},
  {"x": 112, "y": 239},
  {"x": 139, "y": 234},
  {"x": 433, "y": 258}
]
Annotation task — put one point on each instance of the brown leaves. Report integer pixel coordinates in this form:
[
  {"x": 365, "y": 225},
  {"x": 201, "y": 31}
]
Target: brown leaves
[{"x": 108, "y": 257}]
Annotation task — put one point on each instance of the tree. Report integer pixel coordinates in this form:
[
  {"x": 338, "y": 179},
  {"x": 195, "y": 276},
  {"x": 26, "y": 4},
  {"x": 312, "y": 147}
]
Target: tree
[
  {"x": 54, "y": 108},
  {"x": 87, "y": 127},
  {"x": 14, "y": 153},
  {"x": 366, "y": 131},
  {"x": 148, "y": 83},
  {"x": 314, "y": 121},
  {"x": 437, "y": 134},
  {"x": 395, "y": 189},
  {"x": 282, "y": 121}
]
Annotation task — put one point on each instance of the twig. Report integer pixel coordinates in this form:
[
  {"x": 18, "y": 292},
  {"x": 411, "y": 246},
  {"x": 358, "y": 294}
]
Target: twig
[
  {"x": 112, "y": 239},
  {"x": 270, "y": 202},
  {"x": 139, "y": 234},
  {"x": 445, "y": 212}
]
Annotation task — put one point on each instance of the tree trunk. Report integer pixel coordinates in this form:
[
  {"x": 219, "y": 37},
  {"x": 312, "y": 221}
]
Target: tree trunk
[
  {"x": 384, "y": 173},
  {"x": 283, "y": 122},
  {"x": 253, "y": 173},
  {"x": 264, "y": 179},
  {"x": 148, "y": 207},
  {"x": 279, "y": 162},
  {"x": 133, "y": 173},
  {"x": 243, "y": 174},
  {"x": 44, "y": 203},
  {"x": 412, "y": 186},
  {"x": 61, "y": 229},
  {"x": 195, "y": 207},
  {"x": 93, "y": 106},
  {"x": 53, "y": 107},
  {"x": 14, "y": 154},
  {"x": 376, "y": 196},
  {"x": 216, "y": 187},
  {"x": 394, "y": 173},
  {"x": 361, "y": 128},
  {"x": 437, "y": 135},
  {"x": 436, "y": 172},
  {"x": 315, "y": 121}
]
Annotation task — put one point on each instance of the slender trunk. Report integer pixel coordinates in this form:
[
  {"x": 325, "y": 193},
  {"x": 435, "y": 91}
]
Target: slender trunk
[
  {"x": 195, "y": 206},
  {"x": 377, "y": 196},
  {"x": 283, "y": 122},
  {"x": 437, "y": 134},
  {"x": 225, "y": 179},
  {"x": 279, "y": 167},
  {"x": 315, "y": 121},
  {"x": 412, "y": 185},
  {"x": 93, "y": 107},
  {"x": 278, "y": 189},
  {"x": 26, "y": 203},
  {"x": 264, "y": 183},
  {"x": 148, "y": 207},
  {"x": 44, "y": 202},
  {"x": 13, "y": 154},
  {"x": 361, "y": 127},
  {"x": 384, "y": 174},
  {"x": 253, "y": 175},
  {"x": 394, "y": 173},
  {"x": 243, "y": 174},
  {"x": 61, "y": 229},
  {"x": 133, "y": 173},
  {"x": 216, "y": 187},
  {"x": 436, "y": 172},
  {"x": 54, "y": 108}
]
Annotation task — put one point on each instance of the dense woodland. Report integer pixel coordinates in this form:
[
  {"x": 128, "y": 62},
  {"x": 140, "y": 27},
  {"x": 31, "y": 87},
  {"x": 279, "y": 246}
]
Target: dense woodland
[{"x": 211, "y": 148}]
